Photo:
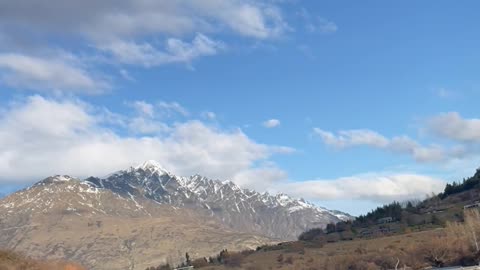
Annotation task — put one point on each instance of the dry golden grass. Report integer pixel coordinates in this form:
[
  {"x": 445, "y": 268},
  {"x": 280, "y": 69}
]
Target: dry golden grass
[
  {"x": 454, "y": 245},
  {"x": 13, "y": 261}
]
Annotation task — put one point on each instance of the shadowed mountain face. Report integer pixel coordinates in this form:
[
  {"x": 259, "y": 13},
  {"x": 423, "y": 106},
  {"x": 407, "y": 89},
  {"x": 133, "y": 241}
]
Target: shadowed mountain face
[
  {"x": 145, "y": 216},
  {"x": 245, "y": 210}
]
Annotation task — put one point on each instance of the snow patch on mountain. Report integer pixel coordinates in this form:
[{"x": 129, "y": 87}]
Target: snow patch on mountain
[{"x": 278, "y": 216}]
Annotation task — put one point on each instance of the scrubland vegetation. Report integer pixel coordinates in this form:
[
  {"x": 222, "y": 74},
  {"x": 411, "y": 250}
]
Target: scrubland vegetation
[
  {"x": 435, "y": 232},
  {"x": 13, "y": 261},
  {"x": 456, "y": 244}
]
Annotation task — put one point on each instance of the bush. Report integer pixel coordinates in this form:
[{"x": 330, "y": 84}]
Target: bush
[
  {"x": 234, "y": 260},
  {"x": 10, "y": 260},
  {"x": 311, "y": 234},
  {"x": 200, "y": 263}
]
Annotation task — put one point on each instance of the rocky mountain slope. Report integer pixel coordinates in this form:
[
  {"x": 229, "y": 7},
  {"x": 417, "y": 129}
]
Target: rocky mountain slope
[
  {"x": 65, "y": 218},
  {"x": 145, "y": 215},
  {"x": 278, "y": 216}
]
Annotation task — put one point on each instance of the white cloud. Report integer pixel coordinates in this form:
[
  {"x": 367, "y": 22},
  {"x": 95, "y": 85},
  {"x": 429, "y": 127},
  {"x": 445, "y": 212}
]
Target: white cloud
[
  {"x": 209, "y": 115},
  {"x": 261, "y": 179},
  {"x": 149, "y": 117},
  {"x": 111, "y": 20},
  {"x": 102, "y": 20},
  {"x": 143, "y": 33},
  {"x": 170, "y": 108},
  {"x": 146, "y": 126},
  {"x": 349, "y": 138},
  {"x": 175, "y": 51},
  {"x": 126, "y": 75},
  {"x": 272, "y": 123},
  {"x": 399, "y": 144},
  {"x": 40, "y": 137},
  {"x": 316, "y": 23},
  {"x": 377, "y": 187},
  {"x": 452, "y": 126},
  {"x": 143, "y": 107},
  {"x": 58, "y": 74}
]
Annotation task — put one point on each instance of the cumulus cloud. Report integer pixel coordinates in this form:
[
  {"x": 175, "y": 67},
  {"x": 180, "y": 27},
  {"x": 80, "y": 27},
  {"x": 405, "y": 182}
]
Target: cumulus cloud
[
  {"x": 159, "y": 110},
  {"x": 40, "y": 137},
  {"x": 261, "y": 179},
  {"x": 209, "y": 115},
  {"x": 349, "y": 138},
  {"x": 146, "y": 119},
  {"x": 452, "y": 126},
  {"x": 175, "y": 51},
  {"x": 399, "y": 144},
  {"x": 171, "y": 108},
  {"x": 376, "y": 187},
  {"x": 58, "y": 74},
  {"x": 146, "y": 126},
  {"x": 141, "y": 33},
  {"x": 143, "y": 108},
  {"x": 109, "y": 19},
  {"x": 272, "y": 123}
]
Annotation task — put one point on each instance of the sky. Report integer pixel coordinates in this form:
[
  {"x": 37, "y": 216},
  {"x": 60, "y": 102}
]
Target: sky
[{"x": 349, "y": 105}]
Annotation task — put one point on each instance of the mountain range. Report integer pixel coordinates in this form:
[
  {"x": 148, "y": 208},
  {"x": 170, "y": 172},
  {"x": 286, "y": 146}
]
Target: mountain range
[{"x": 145, "y": 215}]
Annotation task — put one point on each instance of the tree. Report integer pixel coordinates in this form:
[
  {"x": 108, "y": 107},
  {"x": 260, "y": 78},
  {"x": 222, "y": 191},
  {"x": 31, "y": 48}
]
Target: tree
[
  {"x": 330, "y": 228},
  {"x": 436, "y": 220},
  {"x": 188, "y": 262},
  {"x": 311, "y": 234}
]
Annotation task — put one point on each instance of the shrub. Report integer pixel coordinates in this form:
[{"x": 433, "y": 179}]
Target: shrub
[
  {"x": 234, "y": 260},
  {"x": 200, "y": 263},
  {"x": 289, "y": 260},
  {"x": 311, "y": 234}
]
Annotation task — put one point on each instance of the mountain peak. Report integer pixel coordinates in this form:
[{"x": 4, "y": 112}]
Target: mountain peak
[
  {"x": 58, "y": 179},
  {"x": 152, "y": 166}
]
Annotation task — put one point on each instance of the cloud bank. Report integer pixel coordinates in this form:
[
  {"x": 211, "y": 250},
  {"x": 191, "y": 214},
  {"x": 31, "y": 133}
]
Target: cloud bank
[
  {"x": 41, "y": 137},
  {"x": 111, "y": 34},
  {"x": 399, "y": 144},
  {"x": 376, "y": 187}
]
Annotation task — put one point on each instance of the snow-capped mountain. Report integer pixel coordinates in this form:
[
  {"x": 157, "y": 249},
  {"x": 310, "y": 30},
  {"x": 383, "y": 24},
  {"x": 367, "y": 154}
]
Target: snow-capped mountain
[
  {"x": 144, "y": 214},
  {"x": 277, "y": 216},
  {"x": 72, "y": 219}
]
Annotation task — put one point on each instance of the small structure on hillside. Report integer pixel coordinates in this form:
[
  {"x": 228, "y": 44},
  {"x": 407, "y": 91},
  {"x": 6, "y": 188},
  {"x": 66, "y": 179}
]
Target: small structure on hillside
[
  {"x": 472, "y": 206},
  {"x": 384, "y": 220}
]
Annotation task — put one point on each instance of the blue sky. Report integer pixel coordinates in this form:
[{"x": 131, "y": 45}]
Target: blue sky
[{"x": 348, "y": 104}]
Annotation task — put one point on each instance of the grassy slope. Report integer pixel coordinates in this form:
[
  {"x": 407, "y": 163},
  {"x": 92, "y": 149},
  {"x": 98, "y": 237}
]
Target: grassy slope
[
  {"x": 416, "y": 245},
  {"x": 299, "y": 255},
  {"x": 13, "y": 261}
]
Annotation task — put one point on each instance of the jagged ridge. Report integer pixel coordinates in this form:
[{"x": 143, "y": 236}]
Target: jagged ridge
[
  {"x": 64, "y": 217},
  {"x": 278, "y": 216}
]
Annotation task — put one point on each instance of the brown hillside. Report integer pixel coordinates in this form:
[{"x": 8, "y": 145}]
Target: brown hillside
[{"x": 13, "y": 261}]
